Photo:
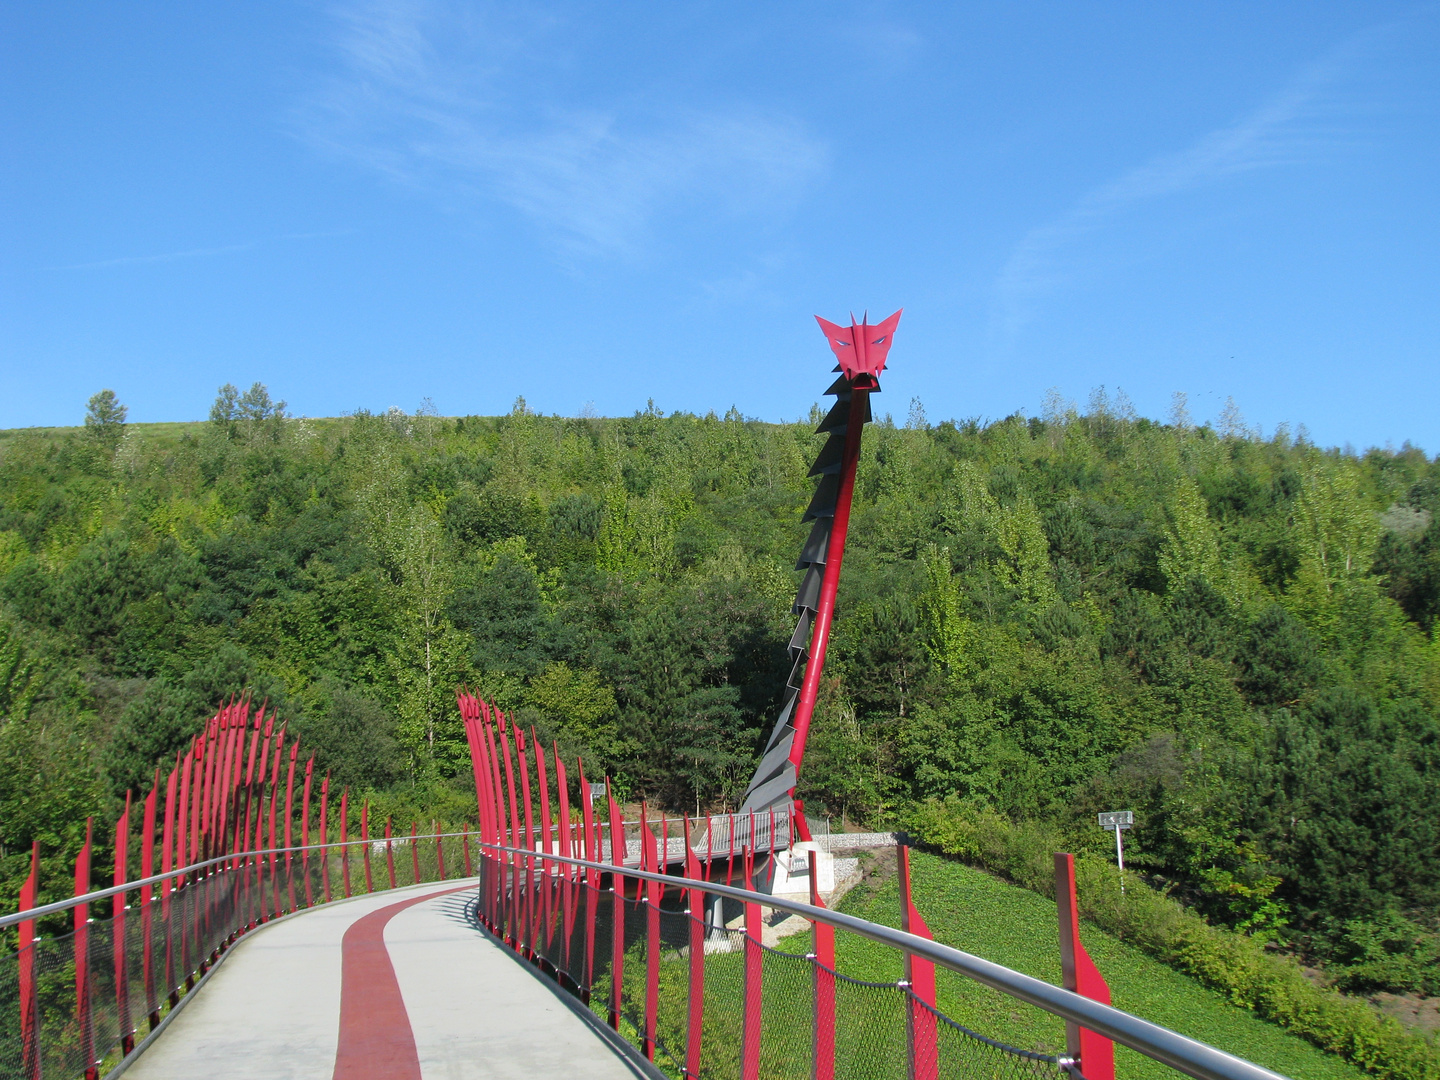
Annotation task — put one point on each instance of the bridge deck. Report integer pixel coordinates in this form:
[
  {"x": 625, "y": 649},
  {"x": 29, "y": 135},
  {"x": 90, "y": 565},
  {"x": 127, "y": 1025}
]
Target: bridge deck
[{"x": 400, "y": 985}]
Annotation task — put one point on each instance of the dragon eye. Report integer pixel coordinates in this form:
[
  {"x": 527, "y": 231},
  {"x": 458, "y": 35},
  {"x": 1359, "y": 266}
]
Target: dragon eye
[
  {"x": 878, "y": 341},
  {"x": 844, "y": 343}
]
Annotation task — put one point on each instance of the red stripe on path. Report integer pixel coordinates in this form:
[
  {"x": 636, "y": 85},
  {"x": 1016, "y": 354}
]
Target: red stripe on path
[{"x": 376, "y": 1042}]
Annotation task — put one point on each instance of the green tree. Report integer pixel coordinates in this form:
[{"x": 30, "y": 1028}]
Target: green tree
[
  {"x": 1020, "y": 550},
  {"x": 1192, "y": 542},
  {"x": 584, "y": 705},
  {"x": 225, "y": 412},
  {"x": 949, "y": 635},
  {"x": 637, "y": 538},
  {"x": 19, "y": 677},
  {"x": 431, "y": 650},
  {"x": 1026, "y": 563},
  {"x": 105, "y": 418},
  {"x": 1337, "y": 528}
]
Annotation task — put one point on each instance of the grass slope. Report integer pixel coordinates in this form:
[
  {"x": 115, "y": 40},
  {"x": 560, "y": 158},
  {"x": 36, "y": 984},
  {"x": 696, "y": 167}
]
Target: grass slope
[{"x": 973, "y": 911}]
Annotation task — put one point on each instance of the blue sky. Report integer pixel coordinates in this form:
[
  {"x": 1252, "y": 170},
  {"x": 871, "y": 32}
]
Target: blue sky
[{"x": 595, "y": 204}]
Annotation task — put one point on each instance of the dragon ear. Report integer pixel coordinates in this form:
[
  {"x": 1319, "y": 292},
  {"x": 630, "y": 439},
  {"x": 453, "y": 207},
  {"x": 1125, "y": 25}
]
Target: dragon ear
[
  {"x": 886, "y": 328},
  {"x": 841, "y": 342}
]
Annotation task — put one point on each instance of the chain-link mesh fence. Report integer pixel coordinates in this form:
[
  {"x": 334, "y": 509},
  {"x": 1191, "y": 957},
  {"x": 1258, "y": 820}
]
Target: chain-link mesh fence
[
  {"x": 748, "y": 1008},
  {"x": 99, "y": 989},
  {"x": 958, "y": 1051},
  {"x": 738, "y": 1006}
]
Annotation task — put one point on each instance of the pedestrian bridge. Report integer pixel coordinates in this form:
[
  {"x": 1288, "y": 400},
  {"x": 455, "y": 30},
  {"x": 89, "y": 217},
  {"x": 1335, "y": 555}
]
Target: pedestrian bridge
[{"x": 545, "y": 940}]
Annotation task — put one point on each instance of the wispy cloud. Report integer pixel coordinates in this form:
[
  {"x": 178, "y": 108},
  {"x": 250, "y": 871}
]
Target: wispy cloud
[
  {"x": 465, "y": 105},
  {"x": 1301, "y": 123},
  {"x": 196, "y": 253},
  {"x": 885, "y": 43},
  {"x": 167, "y": 256}
]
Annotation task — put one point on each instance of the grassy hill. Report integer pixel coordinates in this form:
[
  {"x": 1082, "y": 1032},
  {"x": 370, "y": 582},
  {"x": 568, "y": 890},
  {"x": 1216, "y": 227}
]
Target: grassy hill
[{"x": 973, "y": 911}]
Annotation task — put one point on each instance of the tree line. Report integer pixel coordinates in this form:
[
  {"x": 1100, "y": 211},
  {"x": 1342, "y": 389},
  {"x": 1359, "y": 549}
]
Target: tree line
[{"x": 1039, "y": 619}]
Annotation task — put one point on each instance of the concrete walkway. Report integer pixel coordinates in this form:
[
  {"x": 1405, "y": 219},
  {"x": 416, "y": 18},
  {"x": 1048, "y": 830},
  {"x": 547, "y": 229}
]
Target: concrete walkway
[{"x": 400, "y": 985}]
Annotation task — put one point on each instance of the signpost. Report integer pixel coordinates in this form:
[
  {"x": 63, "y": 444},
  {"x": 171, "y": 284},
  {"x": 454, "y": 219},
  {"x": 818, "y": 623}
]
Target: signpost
[{"x": 1119, "y": 821}]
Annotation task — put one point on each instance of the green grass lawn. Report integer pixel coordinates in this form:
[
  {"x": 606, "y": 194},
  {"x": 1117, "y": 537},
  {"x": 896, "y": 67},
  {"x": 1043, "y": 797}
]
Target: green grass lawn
[{"x": 973, "y": 911}]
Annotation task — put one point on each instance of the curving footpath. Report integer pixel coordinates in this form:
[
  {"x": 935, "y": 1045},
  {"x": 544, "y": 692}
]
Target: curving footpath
[{"x": 401, "y": 985}]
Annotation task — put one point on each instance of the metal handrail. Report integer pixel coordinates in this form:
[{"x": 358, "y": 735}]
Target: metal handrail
[
  {"x": 238, "y": 856},
  {"x": 1186, "y": 1055}
]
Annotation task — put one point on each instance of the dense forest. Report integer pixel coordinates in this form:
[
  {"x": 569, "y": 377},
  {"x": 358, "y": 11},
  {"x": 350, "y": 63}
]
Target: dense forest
[{"x": 1039, "y": 619}]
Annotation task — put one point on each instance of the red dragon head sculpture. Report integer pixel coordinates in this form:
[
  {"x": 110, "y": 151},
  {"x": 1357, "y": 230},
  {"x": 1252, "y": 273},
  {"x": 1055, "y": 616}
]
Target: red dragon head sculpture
[{"x": 861, "y": 348}]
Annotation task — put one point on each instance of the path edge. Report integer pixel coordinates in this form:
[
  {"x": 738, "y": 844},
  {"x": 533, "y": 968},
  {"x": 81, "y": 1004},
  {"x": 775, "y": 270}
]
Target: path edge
[
  {"x": 618, "y": 1044},
  {"x": 145, "y": 1043}
]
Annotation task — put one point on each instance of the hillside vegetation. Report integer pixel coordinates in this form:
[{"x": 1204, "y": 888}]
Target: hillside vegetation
[{"x": 1039, "y": 619}]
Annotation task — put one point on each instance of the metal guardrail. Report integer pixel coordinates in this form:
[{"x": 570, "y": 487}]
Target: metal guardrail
[
  {"x": 186, "y": 871},
  {"x": 1186, "y": 1055},
  {"x": 81, "y": 999}
]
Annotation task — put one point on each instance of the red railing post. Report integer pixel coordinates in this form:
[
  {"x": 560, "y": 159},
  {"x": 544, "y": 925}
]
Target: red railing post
[
  {"x": 204, "y": 832},
  {"x": 921, "y": 1031},
  {"x": 260, "y": 773},
  {"x": 415, "y": 850},
  {"x": 220, "y": 796},
  {"x": 730, "y": 844},
  {"x": 528, "y": 859},
  {"x": 122, "y": 875},
  {"x": 499, "y": 912},
  {"x": 147, "y": 894},
  {"x": 235, "y": 789},
  {"x": 546, "y": 923},
  {"x": 290, "y": 802},
  {"x": 365, "y": 839},
  {"x": 182, "y": 817},
  {"x": 305, "y": 831},
  {"x": 512, "y": 917},
  {"x": 275, "y": 798},
  {"x": 83, "y": 1021},
  {"x": 190, "y": 850},
  {"x": 288, "y": 831},
  {"x": 695, "y": 1018},
  {"x": 650, "y": 861},
  {"x": 250, "y": 808},
  {"x": 469, "y": 714},
  {"x": 494, "y": 807},
  {"x": 324, "y": 838},
  {"x": 824, "y": 1052},
  {"x": 754, "y": 961},
  {"x": 389, "y": 853},
  {"x": 592, "y": 878},
  {"x": 1094, "y": 1052},
  {"x": 617, "y": 909},
  {"x": 29, "y": 1011},
  {"x": 567, "y": 872},
  {"x": 345, "y": 839},
  {"x": 167, "y": 886}
]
